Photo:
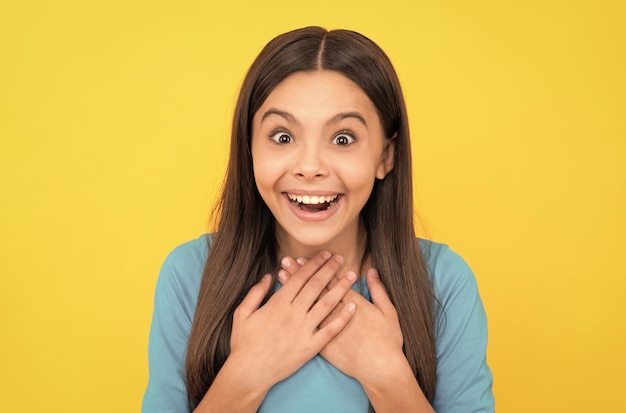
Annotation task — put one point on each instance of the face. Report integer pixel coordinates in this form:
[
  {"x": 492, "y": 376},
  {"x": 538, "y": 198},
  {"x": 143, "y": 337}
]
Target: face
[{"x": 317, "y": 148}]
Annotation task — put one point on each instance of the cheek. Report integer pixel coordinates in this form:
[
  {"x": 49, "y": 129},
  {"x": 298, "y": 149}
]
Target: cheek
[
  {"x": 261, "y": 176},
  {"x": 265, "y": 170},
  {"x": 358, "y": 172},
  {"x": 258, "y": 161},
  {"x": 359, "y": 185}
]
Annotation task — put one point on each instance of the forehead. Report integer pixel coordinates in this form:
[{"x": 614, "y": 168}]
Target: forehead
[{"x": 318, "y": 94}]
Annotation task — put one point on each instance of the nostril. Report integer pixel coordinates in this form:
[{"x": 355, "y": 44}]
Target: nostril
[{"x": 309, "y": 167}]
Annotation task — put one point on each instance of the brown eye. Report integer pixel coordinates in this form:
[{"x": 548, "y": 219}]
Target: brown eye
[
  {"x": 281, "y": 137},
  {"x": 343, "y": 139}
]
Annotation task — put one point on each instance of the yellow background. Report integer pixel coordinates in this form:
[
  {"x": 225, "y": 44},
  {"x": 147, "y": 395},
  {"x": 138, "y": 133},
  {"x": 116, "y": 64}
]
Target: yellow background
[{"x": 114, "y": 119}]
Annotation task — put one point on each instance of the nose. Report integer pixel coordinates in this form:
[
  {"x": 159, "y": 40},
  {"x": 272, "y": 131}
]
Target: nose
[{"x": 309, "y": 163}]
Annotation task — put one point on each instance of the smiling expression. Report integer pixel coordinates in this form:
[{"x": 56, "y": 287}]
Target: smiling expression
[{"x": 317, "y": 147}]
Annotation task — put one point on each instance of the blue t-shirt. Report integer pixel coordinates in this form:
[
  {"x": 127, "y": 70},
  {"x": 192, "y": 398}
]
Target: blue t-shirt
[{"x": 463, "y": 377}]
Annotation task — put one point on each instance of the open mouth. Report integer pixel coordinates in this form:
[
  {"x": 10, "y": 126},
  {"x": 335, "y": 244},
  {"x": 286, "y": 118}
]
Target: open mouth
[{"x": 314, "y": 203}]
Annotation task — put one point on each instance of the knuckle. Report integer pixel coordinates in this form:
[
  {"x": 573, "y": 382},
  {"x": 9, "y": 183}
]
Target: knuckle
[
  {"x": 330, "y": 331},
  {"x": 333, "y": 265},
  {"x": 316, "y": 284},
  {"x": 320, "y": 259},
  {"x": 339, "y": 324},
  {"x": 344, "y": 284},
  {"x": 327, "y": 304}
]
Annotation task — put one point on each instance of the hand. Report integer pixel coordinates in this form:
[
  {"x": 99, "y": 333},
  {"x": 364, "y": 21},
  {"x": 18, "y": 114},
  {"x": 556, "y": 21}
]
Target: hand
[
  {"x": 271, "y": 342},
  {"x": 370, "y": 347}
]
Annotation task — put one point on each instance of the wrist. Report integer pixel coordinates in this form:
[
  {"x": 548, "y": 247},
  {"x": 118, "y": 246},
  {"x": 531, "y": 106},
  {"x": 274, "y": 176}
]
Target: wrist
[
  {"x": 248, "y": 375},
  {"x": 394, "y": 388},
  {"x": 387, "y": 372},
  {"x": 236, "y": 388}
]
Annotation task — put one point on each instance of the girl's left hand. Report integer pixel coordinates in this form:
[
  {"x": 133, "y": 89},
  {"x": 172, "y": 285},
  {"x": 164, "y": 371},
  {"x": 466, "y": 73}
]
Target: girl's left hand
[{"x": 370, "y": 347}]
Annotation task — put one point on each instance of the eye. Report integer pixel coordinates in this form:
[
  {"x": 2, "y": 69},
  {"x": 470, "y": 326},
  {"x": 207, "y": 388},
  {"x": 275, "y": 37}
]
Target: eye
[
  {"x": 281, "y": 137},
  {"x": 343, "y": 139}
]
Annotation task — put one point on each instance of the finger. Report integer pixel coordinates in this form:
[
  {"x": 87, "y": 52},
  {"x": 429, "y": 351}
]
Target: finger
[
  {"x": 331, "y": 299},
  {"x": 289, "y": 268},
  {"x": 254, "y": 298},
  {"x": 330, "y": 330},
  {"x": 317, "y": 283},
  {"x": 283, "y": 276},
  {"x": 302, "y": 276},
  {"x": 290, "y": 265},
  {"x": 378, "y": 292},
  {"x": 333, "y": 282},
  {"x": 333, "y": 314}
]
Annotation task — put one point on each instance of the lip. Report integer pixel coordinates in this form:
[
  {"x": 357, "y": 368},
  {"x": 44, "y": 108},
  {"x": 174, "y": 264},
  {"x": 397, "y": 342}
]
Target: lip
[
  {"x": 310, "y": 193},
  {"x": 312, "y": 216}
]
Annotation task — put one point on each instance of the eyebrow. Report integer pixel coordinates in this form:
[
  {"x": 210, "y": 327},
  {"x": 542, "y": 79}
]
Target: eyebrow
[
  {"x": 338, "y": 117},
  {"x": 271, "y": 111},
  {"x": 347, "y": 115}
]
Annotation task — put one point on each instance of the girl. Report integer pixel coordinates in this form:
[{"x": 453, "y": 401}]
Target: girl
[{"x": 314, "y": 294}]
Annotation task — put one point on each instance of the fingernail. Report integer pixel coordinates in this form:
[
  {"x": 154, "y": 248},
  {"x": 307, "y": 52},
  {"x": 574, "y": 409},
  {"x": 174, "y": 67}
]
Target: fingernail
[
  {"x": 285, "y": 262},
  {"x": 300, "y": 261},
  {"x": 326, "y": 255},
  {"x": 350, "y": 275},
  {"x": 282, "y": 276},
  {"x": 374, "y": 273},
  {"x": 266, "y": 278},
  {"x": 339, "y": 259},
  {"x": 351, "y": 308}
]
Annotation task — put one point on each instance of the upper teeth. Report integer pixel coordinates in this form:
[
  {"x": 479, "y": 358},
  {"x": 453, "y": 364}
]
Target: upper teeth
[{"x": 306, "y": 199}]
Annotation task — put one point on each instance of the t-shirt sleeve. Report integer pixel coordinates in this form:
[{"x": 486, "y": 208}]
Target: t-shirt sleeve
[
  {"x": 174, "y": 307},
  {"x": 464, "y": 380}
]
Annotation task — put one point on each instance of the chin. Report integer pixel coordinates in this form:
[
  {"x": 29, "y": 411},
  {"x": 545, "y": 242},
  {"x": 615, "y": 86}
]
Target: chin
[{"x": 311, "y": 239}]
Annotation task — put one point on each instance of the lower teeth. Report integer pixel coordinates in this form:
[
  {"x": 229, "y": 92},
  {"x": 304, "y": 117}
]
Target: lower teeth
[{"x": 328, "y": 205}]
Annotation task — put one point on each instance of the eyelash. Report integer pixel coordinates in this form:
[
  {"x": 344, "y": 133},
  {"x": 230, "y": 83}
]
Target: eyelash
[
  {"x": 275, "y": 136},
  {"x": 349, "y": 135}
]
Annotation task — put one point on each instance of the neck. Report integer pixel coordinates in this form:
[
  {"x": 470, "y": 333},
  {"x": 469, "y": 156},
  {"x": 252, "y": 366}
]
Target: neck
[{"x": 350, "y": 246}]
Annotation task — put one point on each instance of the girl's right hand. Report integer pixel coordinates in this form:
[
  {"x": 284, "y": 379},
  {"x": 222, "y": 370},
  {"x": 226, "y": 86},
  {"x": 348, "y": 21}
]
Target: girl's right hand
[{"x": 271, "y": 342}]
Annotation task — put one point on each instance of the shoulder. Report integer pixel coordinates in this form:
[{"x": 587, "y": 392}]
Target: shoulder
[
  {"x": 190, "y": 253},
  {"x": 464, "y": 379},
  {"x": 449, "y": 272},
  {"x": 175, "y": 299},
  {"x": 181, "y": 272},
  {"x": 459, "y": 307}
]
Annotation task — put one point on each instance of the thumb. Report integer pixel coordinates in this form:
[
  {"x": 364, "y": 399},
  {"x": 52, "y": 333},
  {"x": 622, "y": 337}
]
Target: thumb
[
  {"x": 380, "y": 298},
  {"x": 254, "y": 298}
]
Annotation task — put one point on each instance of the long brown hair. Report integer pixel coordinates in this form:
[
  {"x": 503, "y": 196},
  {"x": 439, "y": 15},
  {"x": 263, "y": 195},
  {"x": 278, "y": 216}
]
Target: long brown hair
[{"x": 244, "y": 247}]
